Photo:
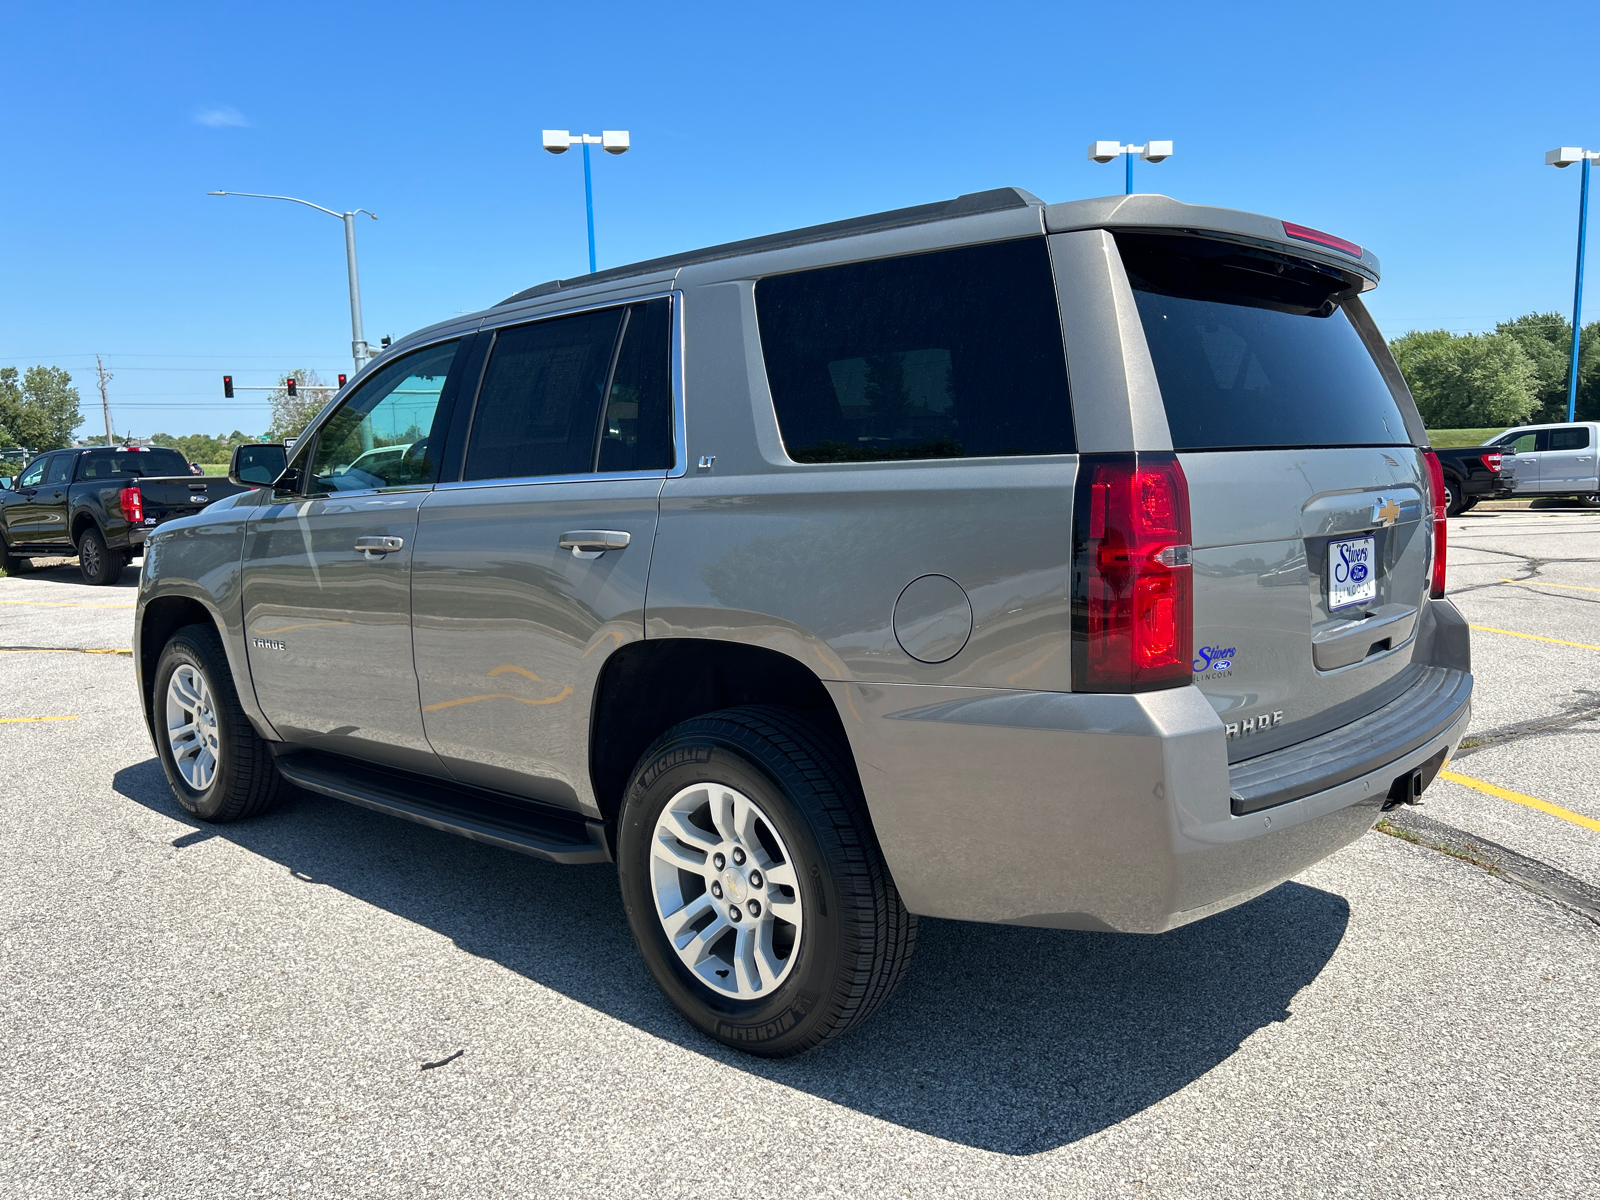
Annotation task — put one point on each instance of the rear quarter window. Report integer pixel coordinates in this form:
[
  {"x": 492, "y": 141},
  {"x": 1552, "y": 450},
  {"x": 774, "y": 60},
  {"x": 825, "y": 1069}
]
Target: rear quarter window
[
  {"x": 1256, "y": 349},
  {"x": 953, "y": 354}
]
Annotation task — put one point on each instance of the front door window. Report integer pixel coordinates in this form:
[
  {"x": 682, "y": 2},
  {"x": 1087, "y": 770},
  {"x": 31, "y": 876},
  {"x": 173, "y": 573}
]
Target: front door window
[{"x": 384, "y": 436}]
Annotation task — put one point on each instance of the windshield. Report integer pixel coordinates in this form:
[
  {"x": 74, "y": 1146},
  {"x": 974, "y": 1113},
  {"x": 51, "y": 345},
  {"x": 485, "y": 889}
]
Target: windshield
[
  {"x": 124, "y": 464},
  {"x": 1254, "y": 349}
]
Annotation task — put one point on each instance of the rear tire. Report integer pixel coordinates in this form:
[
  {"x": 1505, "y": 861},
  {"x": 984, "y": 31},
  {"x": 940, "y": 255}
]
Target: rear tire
[
  {"x": 220, "y": 769},
  {"x": 1469, "y": 504},
  {"x": 849, "y": 939},
  {"x": 1452, "y": 497},
  {"x": 99, "y": 565}
]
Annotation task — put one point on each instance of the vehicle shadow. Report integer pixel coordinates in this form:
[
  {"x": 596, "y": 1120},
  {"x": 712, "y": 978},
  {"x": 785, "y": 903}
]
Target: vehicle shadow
[{"x": 1011, "y": 1040}]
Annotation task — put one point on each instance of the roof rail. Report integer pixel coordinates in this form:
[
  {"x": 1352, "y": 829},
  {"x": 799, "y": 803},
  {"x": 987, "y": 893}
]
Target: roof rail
[{"x": 972, "y": 204}]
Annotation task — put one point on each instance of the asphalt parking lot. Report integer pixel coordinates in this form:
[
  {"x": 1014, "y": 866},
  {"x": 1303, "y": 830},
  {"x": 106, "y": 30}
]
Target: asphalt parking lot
[{"x": 330, "y": 1002}]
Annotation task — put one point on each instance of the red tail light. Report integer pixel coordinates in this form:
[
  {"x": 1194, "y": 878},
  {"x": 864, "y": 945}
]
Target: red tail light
[
  {"x": 1133, "y": 599},
  {"x": 1316, "y": 236},
  {"x": 1492, "y": 459},
  {"x": 133, "y": 505},
  {"x": 1436, "y": 493}
]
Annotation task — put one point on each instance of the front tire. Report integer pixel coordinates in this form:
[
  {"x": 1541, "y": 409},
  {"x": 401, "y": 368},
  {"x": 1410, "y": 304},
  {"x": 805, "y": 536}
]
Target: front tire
[
  {"x": 11, "y": 564},
  {"x": 99, "y": 564},
  {"x": 754, "y": 885},
  {"x": 220, "y": 769}
]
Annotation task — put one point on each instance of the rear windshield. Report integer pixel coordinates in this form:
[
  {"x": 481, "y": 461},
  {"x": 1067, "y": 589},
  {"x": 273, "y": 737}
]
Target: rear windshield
[
  {"x": 123, "y": 464},
  {"x": 1255, "y": 349},
  {"x": 954, "y": 354}
]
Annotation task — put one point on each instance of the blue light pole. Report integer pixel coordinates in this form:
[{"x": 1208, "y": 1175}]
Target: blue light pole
[
  {"x": 1104, "y": 152},
  {"x": 612, "y": 141},
  {"x": 1565, "y": 156}
]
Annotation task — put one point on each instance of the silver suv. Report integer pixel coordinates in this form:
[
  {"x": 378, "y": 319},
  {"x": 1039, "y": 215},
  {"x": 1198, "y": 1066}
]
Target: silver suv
[{"x": 1074, "y": 565}]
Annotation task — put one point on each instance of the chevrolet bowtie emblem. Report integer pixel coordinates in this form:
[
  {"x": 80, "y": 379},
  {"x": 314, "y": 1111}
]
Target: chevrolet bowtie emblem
[{"x": 1385, "y": 512}]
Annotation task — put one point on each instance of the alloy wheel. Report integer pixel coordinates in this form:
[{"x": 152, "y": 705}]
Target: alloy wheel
[
  {"x": 192, "y": 727},
  {"x": 725, "y": 890}
]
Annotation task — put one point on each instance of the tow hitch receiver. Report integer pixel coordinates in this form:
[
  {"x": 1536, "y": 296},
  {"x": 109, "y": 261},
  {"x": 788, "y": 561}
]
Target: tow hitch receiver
[{"x": 1406, "y": 789}]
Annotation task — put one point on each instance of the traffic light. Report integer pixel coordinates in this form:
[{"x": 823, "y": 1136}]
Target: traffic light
[
  {"x": 289, "y": 383},
  {"x": 227, "y": 387},
  {"x": 341, "y": 381}
]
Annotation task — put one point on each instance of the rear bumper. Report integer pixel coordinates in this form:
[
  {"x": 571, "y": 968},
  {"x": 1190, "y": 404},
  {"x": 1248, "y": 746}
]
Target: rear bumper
[{"x": 1082, "y": 811}]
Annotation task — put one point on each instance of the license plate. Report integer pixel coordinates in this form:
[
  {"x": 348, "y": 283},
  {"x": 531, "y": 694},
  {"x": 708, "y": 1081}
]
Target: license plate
[{"x": 1352, "y": 572}]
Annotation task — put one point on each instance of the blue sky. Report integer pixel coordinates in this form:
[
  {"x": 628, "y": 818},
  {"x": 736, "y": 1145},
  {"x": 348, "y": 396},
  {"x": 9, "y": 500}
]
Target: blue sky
[{"x": 1416, "y": 129}]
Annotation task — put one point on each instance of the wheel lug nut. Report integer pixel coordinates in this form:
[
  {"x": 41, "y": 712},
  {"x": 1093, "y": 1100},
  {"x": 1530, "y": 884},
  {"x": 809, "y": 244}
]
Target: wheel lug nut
[
  {"x": 716, "y": 889},
  {"x": 755, "y": 879},
  {"x": 734, "y": 914},
  {"x": 755, "y": 908},
  {"x": 718, "y": 861},
  {"x": 738, "y": 857}
]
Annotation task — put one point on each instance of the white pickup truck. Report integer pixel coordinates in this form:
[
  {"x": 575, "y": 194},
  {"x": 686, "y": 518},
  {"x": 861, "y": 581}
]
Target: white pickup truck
[{"x": 1551, "y": 460}]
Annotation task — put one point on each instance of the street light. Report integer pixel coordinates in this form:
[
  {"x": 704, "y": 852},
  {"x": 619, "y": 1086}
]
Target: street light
[
  {"x": 1104, "y": 152},
  {"x": 612, "y": 141},
  {"x": 1565, "y": 156},
  {"x": 358, "y": 344}
]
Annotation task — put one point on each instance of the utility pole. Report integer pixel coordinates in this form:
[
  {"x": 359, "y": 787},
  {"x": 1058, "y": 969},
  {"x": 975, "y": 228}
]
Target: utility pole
[
  {"x": 359, "y": 349},
  {"x": 612, "y": 141},
  {"x": 105, "y": 401},
  {"x": 1565, "y": 156},
  {"x": 1104, "y": 152}
]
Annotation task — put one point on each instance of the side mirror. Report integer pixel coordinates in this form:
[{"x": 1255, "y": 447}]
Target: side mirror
[
  {"x": 5, "y": 483},
  {"x": 258, "y": 464}
]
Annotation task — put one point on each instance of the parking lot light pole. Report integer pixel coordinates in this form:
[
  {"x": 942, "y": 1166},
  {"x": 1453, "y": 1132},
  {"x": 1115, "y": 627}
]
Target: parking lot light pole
[
  {"x": 1104, "y": 152},
  {"x": 358, "y": 342},
  {"x": 612, "y": 141},
  {"x": 1565, "y": 156}
]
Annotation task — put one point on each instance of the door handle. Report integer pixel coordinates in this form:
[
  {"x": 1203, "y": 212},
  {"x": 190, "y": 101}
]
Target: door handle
[
  {"x": 592, "y": 543},
  {"x": 374, "y": 548}
]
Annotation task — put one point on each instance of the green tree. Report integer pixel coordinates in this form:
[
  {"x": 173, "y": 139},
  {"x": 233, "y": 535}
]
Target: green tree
[
  {"x": 1588, "y": 375},
  {"x": 201, "y": 447},
  {"x": 291, "y": 414},
  {"x": 1546, "y": 338},
  {"x": 1468, "y": 381},
  {"x": 39, "y": 410}
]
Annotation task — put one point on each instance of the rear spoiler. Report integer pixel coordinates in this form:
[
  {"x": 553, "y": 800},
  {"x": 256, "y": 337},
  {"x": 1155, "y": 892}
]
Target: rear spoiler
[{"x": 1162, "y": 214}]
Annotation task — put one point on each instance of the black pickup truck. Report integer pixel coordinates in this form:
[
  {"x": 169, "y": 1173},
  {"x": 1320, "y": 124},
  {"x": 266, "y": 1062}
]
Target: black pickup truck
[
  {"x": 1471, "y": 473},
  {"x": 98, "y": 503}
]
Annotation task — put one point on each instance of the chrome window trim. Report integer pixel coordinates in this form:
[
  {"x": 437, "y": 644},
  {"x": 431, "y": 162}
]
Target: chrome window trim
[
  {"x": 524, "y": 480},
  {"x": 680, "y": 438}
]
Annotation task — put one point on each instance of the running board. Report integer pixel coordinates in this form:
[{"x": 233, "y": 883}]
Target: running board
[{"x": 519, "y": 825}]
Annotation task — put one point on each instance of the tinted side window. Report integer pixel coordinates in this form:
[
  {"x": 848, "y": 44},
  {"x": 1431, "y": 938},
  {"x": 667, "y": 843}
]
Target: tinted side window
[
  {"x": 34, "y": 475},
  {"x": 1253, "y": 348},
  {"x": 1522, "y": 443},
  {"x": 60, "y": 469},
  {"x": 637, "y": 432},
  {"x": 955, "y": 354},
  {"x": 539, "y": 407},
  {"x": 386, "y": 434},
  {"x": 1574, "y": 438}
]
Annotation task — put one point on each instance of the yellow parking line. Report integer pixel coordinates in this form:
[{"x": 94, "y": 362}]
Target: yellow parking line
[
  {"x": 1534, "y": 637},
  {"x": 1571, "y": 587},
  {"x": 20, "y": 720},
  {"x": 1544, "y": 806},
  {"x": 59, "y": 650},
  {"x": 61, "y": 604}
]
